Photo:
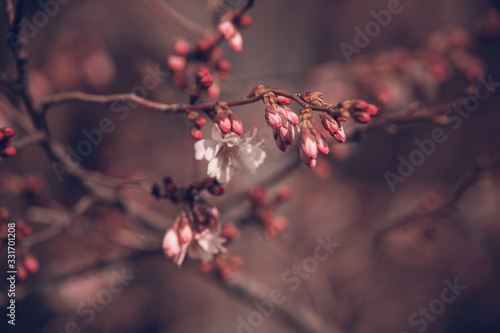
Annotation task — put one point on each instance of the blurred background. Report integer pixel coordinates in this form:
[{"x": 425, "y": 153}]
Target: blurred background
[{"x": 395, "y": 251}]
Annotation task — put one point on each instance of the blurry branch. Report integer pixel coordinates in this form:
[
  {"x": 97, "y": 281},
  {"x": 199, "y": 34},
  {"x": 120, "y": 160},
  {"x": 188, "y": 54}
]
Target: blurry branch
[
  {"x": 298, "y": 316},
  {"x": 436, "y": 114},
  {"x": 172, "y": 18},
  {"x": 445, "y": 210}
]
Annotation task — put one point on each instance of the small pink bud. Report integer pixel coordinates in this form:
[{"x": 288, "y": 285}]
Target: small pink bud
[
  {"x": 340, "y": 135},
  {"x": 2, "y": 136},
  {"x": 372, "y": 110},
  {"x": 196, "y": 133},
  {"x": 322, "y": 146},
  {"x": 361, "y": 117},
  {"x": 292, "y": 117},
  {"x": 226, "y": 29},
  {"x": 224, "y": 124},
  {"x": 244, "y": 20},
  {"x": 237, "y": 125},
  {"x": 202, "y": 72},
  {"x": 309, "y": 147},
  {"x": 8, "y": 132},
  {"x": 31, "y": 263},
  {"x": 9, "y": 152},
  {"x": 236, "y": 42},
  {"x": 206, "y": 81},
  {"x": 284, "y": 100},
  {"x": 170, "y": 244},
  {"x": 213, "y": 91},
  {"x": 279, "y": 141},
  {"x": 200, "y": 122},
  {"x": 176, "y": 63},
  {"x": 224, "y": 65},
  {"x": 287, "y": 133},
  {"x": 181, "y": 47},
  {"x": 185, "y": 234},
  {"x": 330, "y": 124},
  {"x": 273, "y": 119}
]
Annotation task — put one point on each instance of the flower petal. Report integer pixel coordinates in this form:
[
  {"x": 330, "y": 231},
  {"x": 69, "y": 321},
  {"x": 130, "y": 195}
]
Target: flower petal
[{"x": 205, "y": 149}]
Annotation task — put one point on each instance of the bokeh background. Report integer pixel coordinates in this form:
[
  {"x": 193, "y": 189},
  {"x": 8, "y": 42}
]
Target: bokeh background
[{"x": 388, "y": 265}]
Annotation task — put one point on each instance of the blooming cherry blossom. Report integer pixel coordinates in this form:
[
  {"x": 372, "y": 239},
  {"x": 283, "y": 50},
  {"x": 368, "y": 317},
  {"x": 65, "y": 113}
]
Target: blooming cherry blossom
[{"x": 227, "y": 153}]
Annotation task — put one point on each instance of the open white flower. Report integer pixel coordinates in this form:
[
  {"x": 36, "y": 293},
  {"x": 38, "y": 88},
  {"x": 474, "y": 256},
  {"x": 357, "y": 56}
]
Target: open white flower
[
  {"x": 207, "y": 244},
  {"x": 229, "y": 152}
]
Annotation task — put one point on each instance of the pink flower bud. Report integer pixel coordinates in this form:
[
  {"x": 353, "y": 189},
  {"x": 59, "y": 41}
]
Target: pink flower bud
[
  {"x": 244, "y": 20},
  {"x": 9, "y": 152},
  {"x": 279, "y": 141},
  {"x": 176, "y": 63},
  {"x": 202, "y": 72},
  {"x": 185, "y": 234},
  {"x": 236, "y": 42},
  {"x": 237, "y": 125},
  {"x": 309, "y": 147},
  {"x": 284, "y": 100},
  {"x": 322, "y": 146},
  {"x": 361, "y": 117},
  {"x": 181, "y": 47},
  {"x": 31, "y": 263},
  {"x": 196, "y": 133},
  {"x": 292, "y": 117},
  {"x": 329, "y": 124},
  {"x": 200, "y": 122},
  {"x": 273, "y": 119},
  {"x": 170, "y": 244},
  {"x": 226, "y": 29},
  {"x": 213, "y": 91},
  {"x": 8, "y": 132},
  {"x": 287, "y": 133},
  {"x": 372, "y": 110},
  {"x": 206, "y": 81},
  {"x": 224, "y": 124},
  {"x": 340, "y": 135}
]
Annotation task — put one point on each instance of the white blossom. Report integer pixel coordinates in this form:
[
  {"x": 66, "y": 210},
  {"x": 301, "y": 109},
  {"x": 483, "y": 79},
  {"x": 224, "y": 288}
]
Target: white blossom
[
  {"x": 228, "y": 153},
  {"x": 207, "y": 244}
]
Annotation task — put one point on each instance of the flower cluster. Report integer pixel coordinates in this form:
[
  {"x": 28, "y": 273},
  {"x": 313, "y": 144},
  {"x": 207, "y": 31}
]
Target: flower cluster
[
  {"x": 197, "y": 227},
  {"x": 25, "y": 261},
  {"x": 203, "y": 82},
  {"x": 206, "y": 52},
  {"x": 229, "y": 152},
  {"x": 310, "y": 140},
  {"x": 281, "y": 119},
  {"x": 226, "y": 119},
  {"x": 6, "y": 150},
  {"x": 263, "y": 209},
  {"x": 228, "y": 28}
]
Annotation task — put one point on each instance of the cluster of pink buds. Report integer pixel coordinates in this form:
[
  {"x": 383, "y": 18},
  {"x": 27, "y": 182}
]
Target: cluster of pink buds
[
  {"x": 25, "y": 262},
  {"x": 310, "y": 140},
  {"x": 360, "y": 110},
  {"x": 263, "y": 209},
  {"x": 177, "y": 62},
  {"x": 229, "y": 28},
  {"x": 6, "y": 150},
  {"x": 226, "y": 119},
  {"x": 197, "y": 122},
  {"x": 178, "y": 236},
  {"x": 203, "y": 82},
  {"x": 281, "y": 119}
]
